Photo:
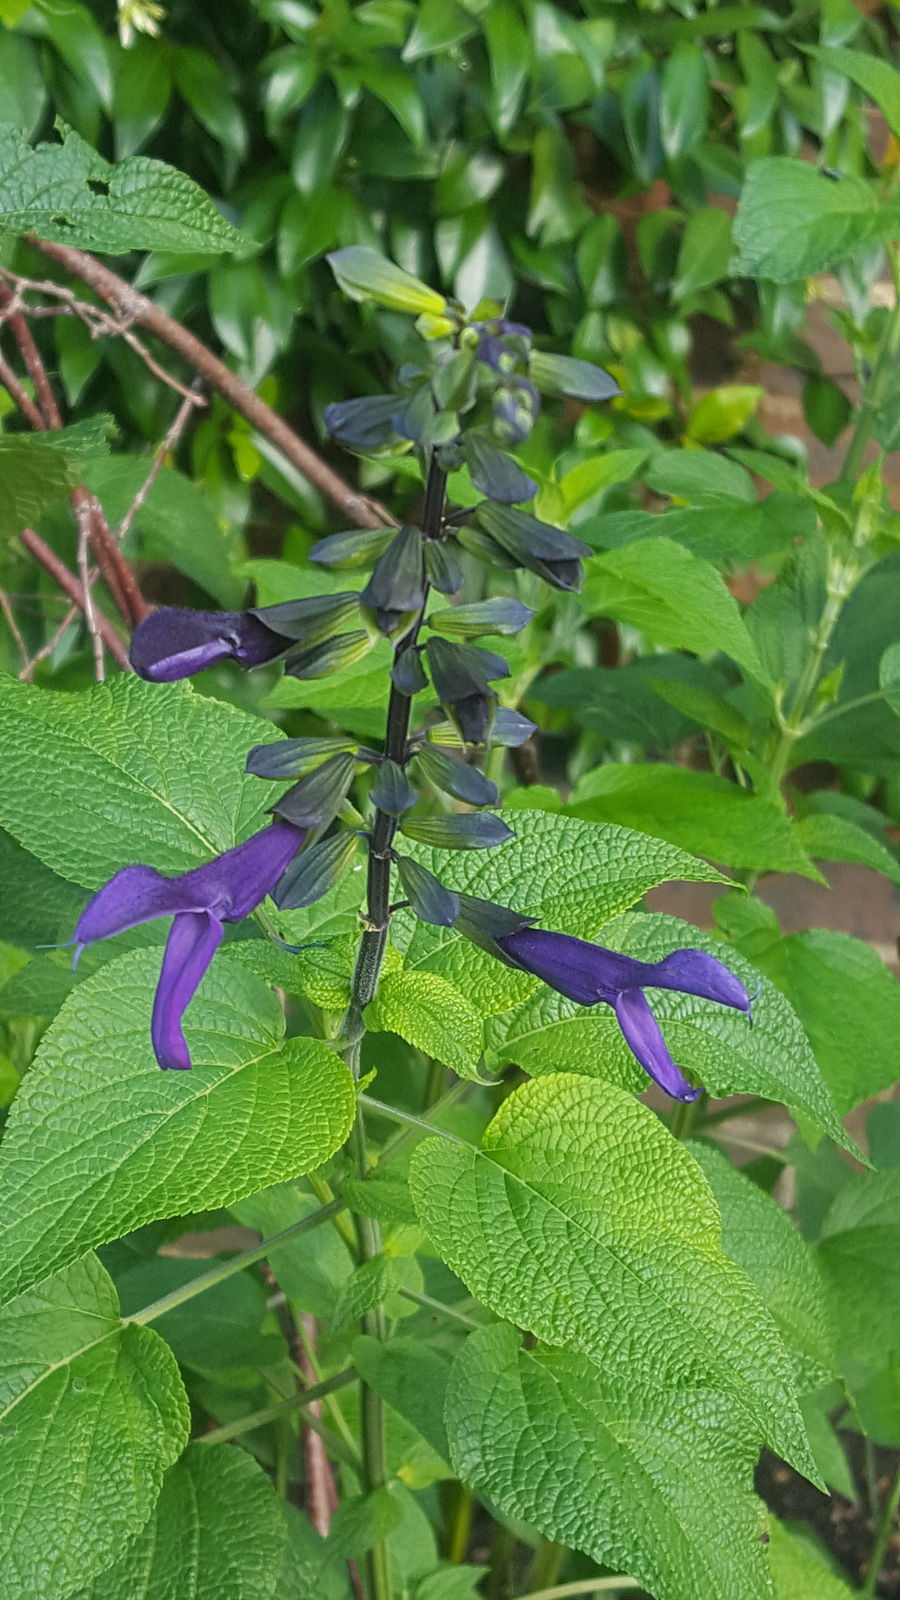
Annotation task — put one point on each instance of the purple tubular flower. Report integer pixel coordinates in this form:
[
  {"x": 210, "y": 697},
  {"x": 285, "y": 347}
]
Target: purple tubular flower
[
  {"x": 174, "y": 643},
  {"x": 588, "y": 974},
  {"x": 201, "y": 901}
]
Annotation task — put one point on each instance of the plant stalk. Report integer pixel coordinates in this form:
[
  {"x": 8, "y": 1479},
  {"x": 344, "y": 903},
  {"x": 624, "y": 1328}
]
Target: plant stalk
[
  {"x": 882, "y": 1540},
  {"x": 362, "y": 991}
]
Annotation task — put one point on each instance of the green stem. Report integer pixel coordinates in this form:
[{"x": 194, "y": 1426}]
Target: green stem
[
  {"x": 362, "y": 991},
  {"x": 227, "y": 1269},
  {"x": 547, "y": 1564},
  {"x": 409, "y": 1120},
  {"x": 882, "y": 1540},
  {"x": 562, "y": 1591},
  {"x": 461, "y": 1525},
  {"x": 438, "y": 1306},
  {"x": 282, "y": 1408},
  {"x": 877, "y": 386}
]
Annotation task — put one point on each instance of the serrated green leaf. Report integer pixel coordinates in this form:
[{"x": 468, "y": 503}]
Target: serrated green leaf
[
  {"x": 217, "y": 1532},
  {"x": 798, "y": 1571},
  {"x": 584, "y": 1221},
  {"x": 657, "y": 1484},
  {"x": 673, "y": 596},
  {"x": 715, "y": 530},
  {"x": 793, "y": 221},
  {"x": 33, "y": 478},
  {"x": 761, "y": 1238},
  {"x": 430, "y": 1012},
  {"x": 36, "y": 906},
  {"x": 306, "y": 1569},
  {"x": 312, "y": 1268},
  {"x": 104, "y": 1142},
  {"x": 68, "y": 193},
  {"x": 714, "y": 1043},
  {"x": 698, "y": 811},
  {"x": 411, "y": 1377},
  {"x": 92, "y": 1412},
  {"x": 126, "y": 771},
  {"x": 832, "y": 838},
  {"x": 574, "y": 876},
  {"x": 220, "y": 1328},
  {"x": 849, "y": 1004},
  {"x": 705, "y": 252},
  {"x": 367, "y": 1287}
]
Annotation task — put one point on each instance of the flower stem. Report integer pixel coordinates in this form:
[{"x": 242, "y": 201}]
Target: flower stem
[
  {"x": 362, "y": 991},
  {"x": 283, "y": 1408},
  {"x": 562, "y": 1591},
  {"x": 882, "y": 1540}
]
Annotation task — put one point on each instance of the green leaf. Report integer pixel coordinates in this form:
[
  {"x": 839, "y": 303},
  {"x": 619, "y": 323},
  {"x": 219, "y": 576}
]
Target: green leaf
[
  {"x": 312, "y": 1268},
  {"x": 572, "y": 875},
  {"x": 582, "y": 1220},
  {"x": 365, "y": 1289},
  {"x": 126, "y": 771},
  {"x": 799, "y": 1571},
  {"x": 697, "y": 811},
  {"x": 364, "y": 274},
  {"x": 723, "y": 531},
  {"x": 849, "y": 1004},
  {"x": 683, "y": 100},
  {"x": 673, "y": 596},
  {"x": 713, "y": 1042},
  {"x": 34, "y": 477},
  {"x": 431, "y": 1013},
  {"x": 173, "y": 504},
  {"x": 510, "y": 55},
  {"x": 701, "y": 477},
  {"x": 217, "y": 1531},
  {"x": 859, "y": 1256},
  {"x": 68, "y": 193},
  {"x": 761, "y": 1238},
  {"x": 437, "y": 26},
  {"x": 721, "y": 413},
  {"x": 792, "y": 221},
  {"x": 253, "y": 1111},
  {"x": 826, "y": 408},
  {"x": 556, "y": 211},
  {"x": 705, "y": 252},
  {"x": 877, "y": 78},
  {"x": 399, "y": 92},
  {"x": 36, "y": 906},
  {"x": 657, "y": 1484},
  {"x": 411, "y": 1377},
  {"x": 92, "y": 1412},
  {"x": 220, "y": 1328},
  {"x": 831, "y": 838}
]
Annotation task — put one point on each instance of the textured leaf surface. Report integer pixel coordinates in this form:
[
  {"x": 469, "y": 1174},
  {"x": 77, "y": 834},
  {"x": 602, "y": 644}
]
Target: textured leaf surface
[
  {"x": 849, "y": 1004},
  {"x": 123, "y": 772},
  {"x": 799, "y": 1572},
  {"x": 101, "y": 1141},
  {"x": 412, "y": 1378},
  {"x": 217, "y": 1533},
  {"x": 67, "y": 192},
  {"x": 714, "y": 1043},
  {"x": 761, "y": 1238},
  {"x": 671, "y": 595},
  {"x": 33, "y": 476},
  {"x": 431, "y": 1013},
  {"x": 793, "y": 221},
  {"x": 860, "y": 1257},
  {"x": 91, "y": 1414},
  {"x": 583, "y": 1220},
  {"x": 570, "y": 875},
  {"x": 655, "y": 1484}
]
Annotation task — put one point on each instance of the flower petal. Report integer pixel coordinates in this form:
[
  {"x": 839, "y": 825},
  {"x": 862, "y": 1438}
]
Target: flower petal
[
  {"x": 581, "y": 971},
  {"x": 193, "y": 940},
  {"x": 244, "y": 876},
  {"x": 695, "y": 972},
  {"x": 174, "y": 643},
  {"x": 136, "y": 895},
  {"x": 644, "y": 1036}
]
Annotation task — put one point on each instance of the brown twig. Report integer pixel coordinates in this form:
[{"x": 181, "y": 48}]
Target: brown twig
[
  {"x": 184, "y": 413},
  {"x": 68, "y": 582},
  {"x": 49, "y": 646},
  {"x": 120, "y": 579},
  {"x": 17, "y": 393},
  {"x": 134, "y": 308}
]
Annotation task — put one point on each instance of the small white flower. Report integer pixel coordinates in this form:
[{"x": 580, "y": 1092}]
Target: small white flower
[{"x": 138, "y": 16}]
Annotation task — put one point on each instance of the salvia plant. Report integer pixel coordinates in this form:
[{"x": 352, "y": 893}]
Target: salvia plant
[{"x": 497, "y": 1316}]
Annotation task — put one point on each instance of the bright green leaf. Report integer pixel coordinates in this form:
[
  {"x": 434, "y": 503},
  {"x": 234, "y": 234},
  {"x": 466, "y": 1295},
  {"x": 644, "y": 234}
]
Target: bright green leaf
[
  {"x": 431, "y": 1013},
  {"x": 792, "y": 221}
]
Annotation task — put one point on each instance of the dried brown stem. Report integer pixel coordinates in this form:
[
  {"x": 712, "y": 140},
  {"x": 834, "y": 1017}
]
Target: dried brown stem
[
  {"x": 134, "y": 308},
  {"x": 71, "y": 586},
  {"x": 185, "y": 412},
  {"x": 84, "y": 520}
]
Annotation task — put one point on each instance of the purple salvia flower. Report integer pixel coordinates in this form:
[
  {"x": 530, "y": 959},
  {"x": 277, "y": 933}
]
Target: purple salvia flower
[
  {"x": 174, "y": 643},
  {"x": 201, "y": 901},
  {"x": 588, "y": 974}
]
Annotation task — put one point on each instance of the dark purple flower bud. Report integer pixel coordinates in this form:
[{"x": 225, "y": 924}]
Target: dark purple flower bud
[
  {"x": 502, "y": 615},
  {"x": 392, "y": 791},
  {"x": 357, "y": 547},
  {"x": 201, "y": 901},
  {"x": 516, "y": 406},
  {"x": 501, "y": 343},
  {"x": 364, "y": 425},
  {"x": 550, "y": 552},
  {"x": 428, "y": 897},
  {"x": 315, "y": 871},
  {"x": 174, "y": 643},
  {"x": 408, "y": 674},
  {"x": 442, "y": 568},
  {"x": 481, "y": 830},
  {"x": 511, "y": 728},
  {"x": 461, "y": 675},
  {"x": 493, "y": 472},
  {"x": 589, "y": 974},
  {"x": 317, "y": 798},
  {"x": 288, "y": 758},
  {"x": 487, "y": 924},
  {"x": 456, "y": 777},
  {"x": 396, "y": 590}
]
